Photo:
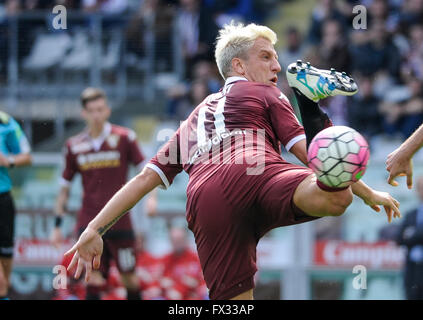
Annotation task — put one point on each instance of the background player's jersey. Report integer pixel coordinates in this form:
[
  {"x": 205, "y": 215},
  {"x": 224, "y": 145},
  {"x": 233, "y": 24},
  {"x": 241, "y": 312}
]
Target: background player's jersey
[
  {"x": 103, "y": 164},
  {"x": 236, "y": 131},
  {"x": 12, "y": 141}
]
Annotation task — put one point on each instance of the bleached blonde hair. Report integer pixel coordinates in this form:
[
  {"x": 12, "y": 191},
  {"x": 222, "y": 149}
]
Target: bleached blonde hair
[{"x": 235, "y": 39}]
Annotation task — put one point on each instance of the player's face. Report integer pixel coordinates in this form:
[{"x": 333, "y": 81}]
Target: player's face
[
  {"x": 96, "y": 112},
  {"x": 262, "y": 63},
  {"x": 178, "y": 240}
]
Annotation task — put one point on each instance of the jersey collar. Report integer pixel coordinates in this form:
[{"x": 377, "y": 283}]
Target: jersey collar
[
  {"x": 97, "y": 142},
  {"x": 234, "y": 79}
]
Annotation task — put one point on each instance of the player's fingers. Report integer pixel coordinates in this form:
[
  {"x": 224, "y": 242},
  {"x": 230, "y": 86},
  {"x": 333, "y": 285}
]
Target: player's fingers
[
  {"x": 71, "y": 250},
  {"x": 88, "y": 269},
  {"x": 410, "y": 180},
  {"x": 73, "y": 261},
  {"x": 96, "y": 261},
  {"x": 79, "y": 268},
  {"x": 375, "y": 208},
  {"x": 391, "y": 180},
  {"x": 388, "y": 211},
  {"x": 395, "y": 207}
]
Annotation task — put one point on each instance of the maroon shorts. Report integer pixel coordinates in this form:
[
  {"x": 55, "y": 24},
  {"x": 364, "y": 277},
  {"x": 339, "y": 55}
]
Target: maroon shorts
[
  {"x": 118, "y": 246},
  {"x": 229, "y": 216}
]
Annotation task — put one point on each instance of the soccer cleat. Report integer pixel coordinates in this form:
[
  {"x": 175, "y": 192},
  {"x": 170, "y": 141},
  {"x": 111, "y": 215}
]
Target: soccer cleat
[{"x": 318, "y": 84}]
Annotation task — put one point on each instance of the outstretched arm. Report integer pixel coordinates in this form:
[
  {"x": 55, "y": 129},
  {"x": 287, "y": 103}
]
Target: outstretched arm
[
  {"x": 89, "y": 247},
  {"x": 374, "y": 199},
  {"x": 399, "y": 162}
]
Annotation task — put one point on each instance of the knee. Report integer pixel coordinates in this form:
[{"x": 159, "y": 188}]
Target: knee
[
  {"x": 339, "y": 203},
  {"x": 130, "y": 281},
  {"x": 3, "y": 284}
]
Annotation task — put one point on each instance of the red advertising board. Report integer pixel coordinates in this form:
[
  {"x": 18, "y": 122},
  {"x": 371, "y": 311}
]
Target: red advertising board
[
  {"x": 377, "y": 255},
  {"x": 38, "y": 252}
]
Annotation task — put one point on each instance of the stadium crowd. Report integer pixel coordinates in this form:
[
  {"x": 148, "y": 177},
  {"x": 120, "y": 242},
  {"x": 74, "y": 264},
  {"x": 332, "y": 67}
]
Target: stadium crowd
[{"x": 385, "y": 56}]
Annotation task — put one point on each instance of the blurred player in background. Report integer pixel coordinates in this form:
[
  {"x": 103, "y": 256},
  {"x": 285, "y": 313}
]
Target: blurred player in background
[
  {"x": 149, "y": 270},
  {"x": 400, "y": 161},
  {"x": 182, "y": 278},
  {"x": 410, "y": 235},
  {"x": 239, "y": 185},
  {"x": 14, "y": 151},
  {"x": 102, "y": 154}
]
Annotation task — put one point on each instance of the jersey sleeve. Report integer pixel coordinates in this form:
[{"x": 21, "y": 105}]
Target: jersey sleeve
[
  {"x": 135, "y": 156},
  {"x": 16, "y": 140},
  {"x": 284, "y": 121},
  {"x": 167, "y": 162},
  {"x": 71, "y": 167}
]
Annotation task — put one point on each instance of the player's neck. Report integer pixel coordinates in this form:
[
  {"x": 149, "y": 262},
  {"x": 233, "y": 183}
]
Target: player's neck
[{"x": 95, "y": 131}]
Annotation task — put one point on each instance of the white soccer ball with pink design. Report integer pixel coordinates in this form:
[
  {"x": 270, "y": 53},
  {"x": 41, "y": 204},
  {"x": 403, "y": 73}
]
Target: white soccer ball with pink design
[{"x": 338, "y": 155}]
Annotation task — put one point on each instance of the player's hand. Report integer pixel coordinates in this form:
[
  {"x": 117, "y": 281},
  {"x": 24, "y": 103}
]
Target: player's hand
[
  {"x": 56, "y": 237},
  {"x": 4, "y": 162},
  {"x": 398, "y": 164},
  {"x": 88, "y": 250},
  {"x": 379, "y": 198}
]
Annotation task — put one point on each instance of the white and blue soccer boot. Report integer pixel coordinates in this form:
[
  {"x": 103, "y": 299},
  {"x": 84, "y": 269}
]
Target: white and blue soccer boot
[{"x": 317, "y": 84}]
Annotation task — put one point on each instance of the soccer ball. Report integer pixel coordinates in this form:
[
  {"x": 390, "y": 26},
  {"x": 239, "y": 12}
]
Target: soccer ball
[{"x": 338, "y": 155}]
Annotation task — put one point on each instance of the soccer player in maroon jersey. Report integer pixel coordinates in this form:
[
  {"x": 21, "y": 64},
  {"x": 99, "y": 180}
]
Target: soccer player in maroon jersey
[
  {"x": 101, "y": 154},
  {"x": 239, "y": 185}
]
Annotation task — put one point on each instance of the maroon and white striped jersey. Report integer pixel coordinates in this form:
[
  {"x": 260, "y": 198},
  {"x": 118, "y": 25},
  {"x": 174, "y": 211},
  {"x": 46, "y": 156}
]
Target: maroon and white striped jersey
[
  {"x": 238, "y": 129},
  {"x": 103, "y": 164}
]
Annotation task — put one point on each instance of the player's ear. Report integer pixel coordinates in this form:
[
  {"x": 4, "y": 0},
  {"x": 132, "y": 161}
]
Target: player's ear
[
  {"x": 238, "y": 66},
  {"x": 83, "y": 113},
  {"x": 109, "y": 111}
]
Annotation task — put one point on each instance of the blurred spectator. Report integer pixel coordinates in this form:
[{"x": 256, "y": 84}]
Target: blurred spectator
[
  {"x": 388, "y": 233},
  {"x": 138, "y": 23},
  {"x": 332, "y": 51},
  {"x": 113, "y": 11},
  {"x": 402, "y": 109},
  {"x": 373, "y": 51},
  {"x": 206, "y": 71},
  {"x": 379, "y": 10},
  {"x": 148, "y": 270},
  {"x": 238, "y": 10},
  {"x": 411, "y": 13},
  {"x": 363, "y": 111},
  {"x": 264, "y": 9},
  {"x": 188, "y": 17},
  {"x": 197, "y": 31},
  {"x": 336, "y": 108},
  {"x": 112, "y": 7},
  {"x": 324, "y": 10},
  {"x": 182, "y": 277},
  {"x": 294, "y": 48},
  {"x": 8, "y": 10},
  {"x": 411, "y": 236},
  {"x": 185, "y": 96},
  {"x": 152, "y": 20},
  {"x": 414, "y": 58},
  {"x": 180, "y": 108}
]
